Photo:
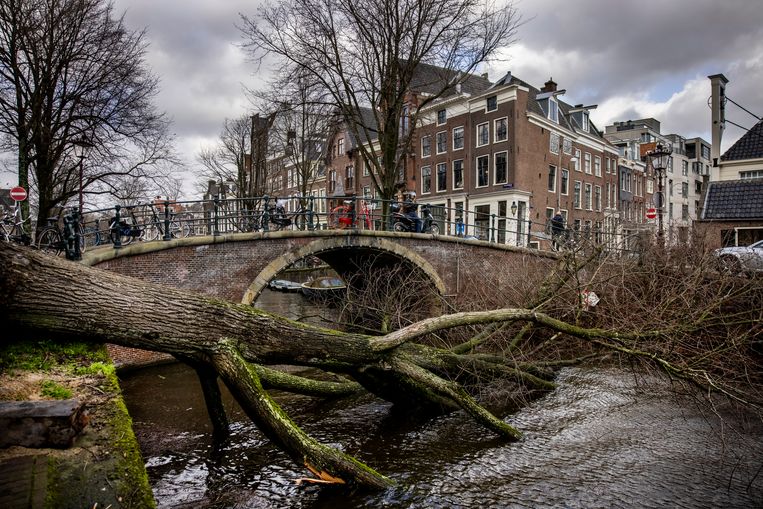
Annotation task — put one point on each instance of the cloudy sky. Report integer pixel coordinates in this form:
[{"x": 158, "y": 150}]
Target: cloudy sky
[{"x": 632, "y": 59}]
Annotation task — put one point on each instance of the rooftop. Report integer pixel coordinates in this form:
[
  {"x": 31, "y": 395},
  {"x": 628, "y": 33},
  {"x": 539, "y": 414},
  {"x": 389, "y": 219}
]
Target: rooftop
[
  {"x": 734, "y": 200},
  {"x": 749, "y": 146}
]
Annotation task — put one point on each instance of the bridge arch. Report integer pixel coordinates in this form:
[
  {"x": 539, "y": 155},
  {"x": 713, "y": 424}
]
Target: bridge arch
[{"x": 325, "y": 245}]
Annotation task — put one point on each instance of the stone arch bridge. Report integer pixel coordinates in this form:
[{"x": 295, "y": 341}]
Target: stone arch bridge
[{"x": 237, "y": 267}]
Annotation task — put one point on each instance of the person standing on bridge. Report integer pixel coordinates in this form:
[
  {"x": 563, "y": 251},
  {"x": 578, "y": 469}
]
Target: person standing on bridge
[{"x": 557, "y": 229}]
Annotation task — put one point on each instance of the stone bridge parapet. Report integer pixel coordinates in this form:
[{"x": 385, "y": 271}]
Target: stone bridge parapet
[{"x": 236, "y": 267}]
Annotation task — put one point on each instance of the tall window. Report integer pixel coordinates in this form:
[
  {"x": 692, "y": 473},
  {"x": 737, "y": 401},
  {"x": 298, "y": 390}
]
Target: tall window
[
  {"x": 332, "y": 181},
  {"x": 458, "y": 138},
  {"x": 597, "y": 166},
  {"x": 492, "y": 103},
  {"x": 458, "y": 174},
  {"x": 442, "y": 142},
  {"x": 553, "y": 110},
  {"x": 426, "y": 146},
  {"x": 576, "y": 194},
  {"x": 426, "y": 179},
  {"x": 442, "y": 174},
  {"x": 587, "y": 163},
  {"x": 567, "y": 146},
  {"x": 501, "y": 129},
  {"x": 442, "y": 117},
  {"x": 597, "y": 197},
  {"x": 588, "y": 204},
  {"x": 577, "y": 164},
  {"x": 483, "y": 134},
  {"x": 684, "y": 189},
  {"x": 565, "y": 181},
  {"x": 349, "y": 178},
  {"x": 340, "y": 147},
  {"x": 553, "y": 143},
  {"x": 501, "y": 168},
  {"x": 551, "y": 177},
  {"x": 482, "y": 171},
  {"x": 584, "y": 117},
  {"x": 685, "y": 168}
]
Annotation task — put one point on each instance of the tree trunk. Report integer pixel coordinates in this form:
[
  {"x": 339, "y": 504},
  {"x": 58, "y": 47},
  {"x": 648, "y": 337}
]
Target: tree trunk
[{"x": 47, "y": 296}]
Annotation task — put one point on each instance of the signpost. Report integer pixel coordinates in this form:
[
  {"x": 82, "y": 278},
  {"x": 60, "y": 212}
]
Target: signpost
[
  {"x": 18, "y": 194},
  {"x": 651, "y": 213}
]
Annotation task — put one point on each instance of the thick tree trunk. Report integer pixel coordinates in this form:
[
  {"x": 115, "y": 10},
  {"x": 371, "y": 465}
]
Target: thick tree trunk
[{"x": 47, "y": 296}]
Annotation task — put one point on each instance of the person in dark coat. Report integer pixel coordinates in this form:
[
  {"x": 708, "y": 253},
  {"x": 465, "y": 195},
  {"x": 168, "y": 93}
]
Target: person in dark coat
[{"x": 557, "y": 230}]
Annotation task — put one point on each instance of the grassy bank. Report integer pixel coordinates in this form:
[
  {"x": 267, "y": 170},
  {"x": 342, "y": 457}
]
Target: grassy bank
[{"x": 104, "y": 466}]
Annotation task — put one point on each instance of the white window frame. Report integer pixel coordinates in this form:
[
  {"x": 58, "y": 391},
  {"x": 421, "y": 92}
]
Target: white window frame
[
  {"x": 487, "y": 103},
  {"x": 597, "y": 198},
  {"x": 438, "y": 136},
  {"x": 429, "y": 168},
  {"x": 554, "y": 147},
  {"x": 597, "y": 166},
  {"x": 477, "y": 171},
  {"x": 505, "y": 120},
  {"x": 453, "y": 173},
  {"x": 577, "y": 194},
  {"x": 495, "y": 167},
  {"x": 588, "y": 196},
  {"x": 587, "y": 163},
  {"x": 486, "y": 125},
  {"x": 437, "y": 177},
  {"x": 565, "y": 189},
  {"x": 461, "y": 129},
  {"x": 556, "y": 177},
  {"x": 428, "y": 137},
  {"x": 578, "y": 160},
  {"x": 553, "y": 112},
  {"x": 445, "y": 115}
]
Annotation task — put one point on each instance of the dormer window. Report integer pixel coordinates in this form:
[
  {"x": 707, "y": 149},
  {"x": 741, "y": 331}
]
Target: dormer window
[
  {"x": 584, "y": 122},
  {"x": 442, "y": 117},
  {"x": 553, "y": 110},
  {"x": 492, "y": 103}
]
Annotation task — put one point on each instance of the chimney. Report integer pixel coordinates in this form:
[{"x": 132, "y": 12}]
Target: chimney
[
  {"x": 718, "y": 108},
  {"x": 484, "y": 75},
  {"x": 549, "y": 86}
]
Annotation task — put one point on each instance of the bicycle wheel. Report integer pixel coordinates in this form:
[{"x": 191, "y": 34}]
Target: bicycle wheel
[
  {"x": 50, "y": 242},
  {"x": 122, "y": 234},
  {"x": 179, "y": 230}
]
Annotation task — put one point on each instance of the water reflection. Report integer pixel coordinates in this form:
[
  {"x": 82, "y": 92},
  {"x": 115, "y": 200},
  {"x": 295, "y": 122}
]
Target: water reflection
[{"x": 602, "y": 439}]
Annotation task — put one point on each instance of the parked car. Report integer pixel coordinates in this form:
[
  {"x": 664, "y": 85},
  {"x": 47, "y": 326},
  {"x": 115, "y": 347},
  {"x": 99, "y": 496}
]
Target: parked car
[{"x": 735, "y": 260}]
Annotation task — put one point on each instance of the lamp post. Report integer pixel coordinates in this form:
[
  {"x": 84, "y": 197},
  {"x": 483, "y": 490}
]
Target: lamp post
[
  {"x": 659, "y": 157},
  {"x": 81, "y": 148}
]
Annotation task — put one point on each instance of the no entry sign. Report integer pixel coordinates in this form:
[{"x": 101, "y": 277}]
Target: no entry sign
[
  {"x": 18, "y": 194},
  {"x": 651, "y": 213}
]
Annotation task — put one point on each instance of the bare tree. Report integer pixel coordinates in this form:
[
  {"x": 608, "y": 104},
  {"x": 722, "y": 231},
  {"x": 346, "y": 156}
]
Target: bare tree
[
  {"x": 370, "y": 54},
  {"x": 72, "y": 73},
  {"x": 301, "y": 122},
  {"x": 228, "y": 159}
]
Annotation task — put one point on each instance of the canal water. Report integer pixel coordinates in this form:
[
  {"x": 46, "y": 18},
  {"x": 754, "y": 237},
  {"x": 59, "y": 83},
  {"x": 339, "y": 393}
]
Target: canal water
[{"x": 604, "y": 438}]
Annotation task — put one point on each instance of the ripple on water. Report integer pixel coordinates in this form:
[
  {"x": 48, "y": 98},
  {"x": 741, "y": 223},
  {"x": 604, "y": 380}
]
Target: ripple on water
[{"x": 602, "y": 439}]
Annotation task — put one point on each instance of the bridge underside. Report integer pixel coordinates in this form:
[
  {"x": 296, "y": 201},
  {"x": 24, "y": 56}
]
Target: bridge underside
[{"x": 353, "y": 261}]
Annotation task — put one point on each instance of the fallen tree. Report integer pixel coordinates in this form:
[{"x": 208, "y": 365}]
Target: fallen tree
[{"x": 42, "y": 296}]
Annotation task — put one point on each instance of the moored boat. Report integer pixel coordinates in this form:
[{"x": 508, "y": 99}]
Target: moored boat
[
  {"x": 283, "y": 285},
  {"x": 327, "y": 287}
]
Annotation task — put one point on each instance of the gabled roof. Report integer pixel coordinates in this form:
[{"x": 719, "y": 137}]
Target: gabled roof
[
  {"x": 368, "y": 120},
  {"x": 734, "y": 200},
  {"x": 749, "y": 146},
  {"x": 430, "y": 79}
]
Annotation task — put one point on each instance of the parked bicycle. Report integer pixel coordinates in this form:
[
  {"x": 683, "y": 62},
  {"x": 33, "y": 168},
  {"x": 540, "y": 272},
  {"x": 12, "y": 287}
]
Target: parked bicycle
[
  {"x": 279, "y": 218},
  {"x": 13, "y": 227},
  {"x": 54, "y": 240},
  {"x": 154, "y": 230},
  {"x": 125, "y": 230}
]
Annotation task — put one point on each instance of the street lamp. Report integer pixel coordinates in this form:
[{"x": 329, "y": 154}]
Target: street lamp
[
  {"x": 660, "y": 157},
  {"x": 513, "y": 209},
  {"x": 81, "y": 148}
]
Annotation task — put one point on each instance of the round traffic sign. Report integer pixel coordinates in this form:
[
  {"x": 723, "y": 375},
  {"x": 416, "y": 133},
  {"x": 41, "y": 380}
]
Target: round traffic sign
[
  {"x": 18, "y": 194},
  {"x": 651, "y": 213}
]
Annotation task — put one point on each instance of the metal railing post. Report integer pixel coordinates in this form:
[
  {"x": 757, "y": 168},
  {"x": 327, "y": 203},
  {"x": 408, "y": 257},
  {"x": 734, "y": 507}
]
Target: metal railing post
[
  {"x": 265, "y": 213},
  {"x": 167, "y": 233},
  {"x": 115, "y": 233},
  {"x": 492, "y": 228},
  {"x": 310, "y": 208},
  {"x": 215, "y": 218}
]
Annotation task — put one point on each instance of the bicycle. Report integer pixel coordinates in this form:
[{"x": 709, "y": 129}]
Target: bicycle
[
  {"x": 53, "y": 240},
  {"x": 280, "y": 219},
  {"x": 13, "y": 227},
  {"x": 123, "y": 232},
  {"x": 154, "y": 230}
]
